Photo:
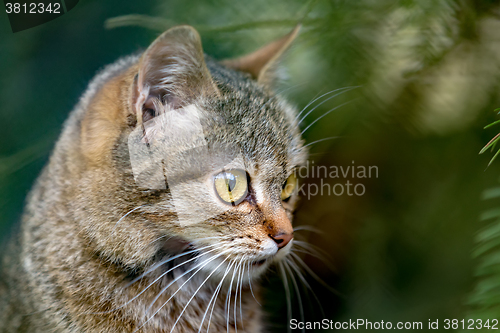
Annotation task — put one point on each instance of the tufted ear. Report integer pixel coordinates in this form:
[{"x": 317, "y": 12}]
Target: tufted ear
[
  {"x": 172, "y": 73},
  {"x": 262, "y": 64}
]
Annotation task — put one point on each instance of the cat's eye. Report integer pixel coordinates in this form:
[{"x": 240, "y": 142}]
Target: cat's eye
[
  {"x": 288, "y": 187},
  {"x": 231, "y": 186}
]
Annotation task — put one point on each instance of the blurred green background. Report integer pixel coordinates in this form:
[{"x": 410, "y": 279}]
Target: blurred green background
[{"x": 412, "y": 248}]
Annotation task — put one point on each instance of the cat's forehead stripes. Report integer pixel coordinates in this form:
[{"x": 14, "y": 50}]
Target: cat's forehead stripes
[{"x": 259, "y": 121}]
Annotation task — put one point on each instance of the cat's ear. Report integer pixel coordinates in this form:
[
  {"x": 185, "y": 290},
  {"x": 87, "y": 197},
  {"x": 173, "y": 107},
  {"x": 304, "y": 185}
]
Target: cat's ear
[
  {"x": 262, "y": 64},
  {"x": 172, "y": 72}
]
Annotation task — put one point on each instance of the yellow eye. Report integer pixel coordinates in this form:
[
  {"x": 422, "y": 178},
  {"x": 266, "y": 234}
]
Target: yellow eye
[
  {"x": 289, "y": 187},
  {"x": 231, "y": 186}
]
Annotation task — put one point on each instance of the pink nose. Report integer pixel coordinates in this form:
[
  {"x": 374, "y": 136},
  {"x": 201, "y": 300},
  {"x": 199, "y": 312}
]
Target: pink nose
[{"x": 282, "y": 239}]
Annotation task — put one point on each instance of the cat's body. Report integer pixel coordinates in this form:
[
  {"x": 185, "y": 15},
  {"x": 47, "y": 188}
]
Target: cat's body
[{"x": 93, "y": 236}]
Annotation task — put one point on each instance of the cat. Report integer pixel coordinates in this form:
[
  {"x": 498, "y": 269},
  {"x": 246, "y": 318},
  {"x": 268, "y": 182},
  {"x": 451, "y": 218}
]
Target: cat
[{"x": 169, "y": 193}]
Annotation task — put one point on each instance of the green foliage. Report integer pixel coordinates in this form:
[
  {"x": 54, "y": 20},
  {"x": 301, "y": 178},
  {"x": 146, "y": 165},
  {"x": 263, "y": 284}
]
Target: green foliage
[
  {"x": 484, "y": 300},
  {"x": 493, "y": 142}
]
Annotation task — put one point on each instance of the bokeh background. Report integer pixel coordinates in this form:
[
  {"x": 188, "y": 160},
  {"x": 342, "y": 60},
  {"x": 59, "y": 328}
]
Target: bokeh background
[{"x": 421, "y": 243}]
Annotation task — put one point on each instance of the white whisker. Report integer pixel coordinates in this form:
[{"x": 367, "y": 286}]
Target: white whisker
[
  {"x": 325, "y": 114},
  {"x": 287, "y": 293},
  {"x": 317, "y": 98},
  {"x": 156, "y": 280},
  {"x": 194, "y": 294},
  {"x": 241, "y": 286},
  {"x": 316, "y": 277},
  {"x": 214, "y": 296},
  {"x": 346, "y": 89},
  {"x": 161, "y": 263},
  {"x": 215, "y": 301},
  {"x": 307, "y": 228},
  {"x": 250, "y": 283},
  {"x": 314, "y": 251},
  {"x": 228, "y": 298},
  {"x": 206, "y": 262},
  {"x": 297, "y": 270},
  {"x": 318, "y": 141},
  {"x": 190, "y": 270},
  {"x": 236, "y": 294},
  {"x": 127, "y": 214},
  {"x": 296, "y": 287}
]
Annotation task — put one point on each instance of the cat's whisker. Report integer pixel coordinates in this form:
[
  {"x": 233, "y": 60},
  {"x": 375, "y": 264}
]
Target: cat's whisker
[
  {"x": 166, "y": 235},
  {"x": 124, "y": 216},
  {"x": 214, "y": 299},
  {"x": 279, "y": 92},
  {"x": 307, "y": 228},
  {"x": 119, "y": 220},
  {"x": 217, "y": 295},
  {"x": 322, "y": 258},
  {"x": 238, "y": 284},
  {"x": 241, "y": 286},
  {"x": 161, "y": 263},
  {"x": 201, "y": 266},
  {"x": 306, "y": 245},
  {"x": 315, "y": 99},
  {"x": 204, "y": 238},
  {"x": 300, "y": 275},
  {"x": 228, "y": 299},
  {"x": 152, "y": 283},
  {"x": 314, "y": 251},
  {"x": 343, "y": 90},
  {"x": 236, "y": 294},
  {"x": 157, "y": 239},
  {"x": 287, "y": 294},
  {"x": 323, "y": 115},
  {"x": 250, "y": 283},
  {"x": 149, "y": 244},
  {"x": 314, "y": 275},
  {"x": 170, "y": 270},
  {"x": 196, "y": 292},
  {"x": 297, "y": 290},
  {"x": 318, "y": 141}
]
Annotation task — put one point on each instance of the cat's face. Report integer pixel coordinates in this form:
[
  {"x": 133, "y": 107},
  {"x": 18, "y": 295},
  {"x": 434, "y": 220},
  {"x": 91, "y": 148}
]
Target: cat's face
[
  {"x": 230, "y": 177},
  {"x": 207, "y": 164}
]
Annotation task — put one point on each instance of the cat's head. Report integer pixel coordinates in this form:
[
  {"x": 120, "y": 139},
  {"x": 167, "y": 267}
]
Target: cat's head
[{"x": 182, "y": 154}]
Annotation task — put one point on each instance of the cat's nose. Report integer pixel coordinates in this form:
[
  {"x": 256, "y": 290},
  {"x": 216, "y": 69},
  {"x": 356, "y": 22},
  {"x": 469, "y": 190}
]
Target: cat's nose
[{"x": 282, "y": 239}]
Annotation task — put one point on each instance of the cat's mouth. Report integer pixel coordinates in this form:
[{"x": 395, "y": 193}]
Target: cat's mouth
[{"x": 258, "y": 263}]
